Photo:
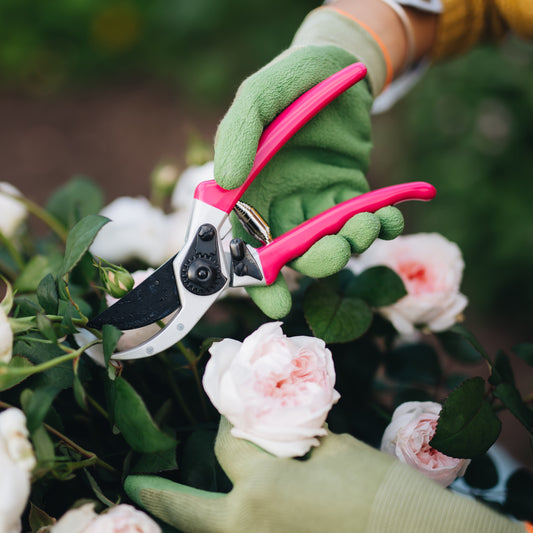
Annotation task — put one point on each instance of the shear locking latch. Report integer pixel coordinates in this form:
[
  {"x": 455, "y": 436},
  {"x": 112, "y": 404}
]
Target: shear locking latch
[
  {"x": 242, "y": 260},
  {"x": 200, "y": 271}
]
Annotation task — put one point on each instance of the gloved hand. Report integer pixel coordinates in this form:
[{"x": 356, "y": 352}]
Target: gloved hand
[
  {"x": 323, "y": 164},
  {"x": 345, "y": 486}
]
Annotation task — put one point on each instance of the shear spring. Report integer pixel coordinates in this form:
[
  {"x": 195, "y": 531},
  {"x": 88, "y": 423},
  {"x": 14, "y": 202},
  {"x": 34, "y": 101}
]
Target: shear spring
[{"x": 252, "y": 222}]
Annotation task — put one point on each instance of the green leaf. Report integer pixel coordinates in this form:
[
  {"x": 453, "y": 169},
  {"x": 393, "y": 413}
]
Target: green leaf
[
  {"x": 502, "y": 372},
  {"x": 35, "y": 270},
  {"x": 334, "y": 316},
  {"x": 79, "y": 392},
  {"x": 458, "y": 347},
  {"x": 45, "y": 326},
  {"x": 525, "y": 352},
  {"x": 135, "y": 422},
  {"x": 152, "y": 463},
  {"x": 519, "y": 501},
  {"x": 36, "y": 405},
  {"x": 481, "y": 473},
  {"x": 43, "y": 445},
  {"x": 511, "y": 398},
  {"x": 110, "y": 337},
  {"x": 378, "y": 286},
  {"x": 47, "y": 295},
  {"x": 38, "y": 518},
  {"x": 79, "y": 240},
  {"x": 467, "y": 425},
  {"x": 75, "y": 200},
  {"x": 414, "y": 363},
  {"x": 10, "y": 379},
  {"x": 458, "y": 329}
]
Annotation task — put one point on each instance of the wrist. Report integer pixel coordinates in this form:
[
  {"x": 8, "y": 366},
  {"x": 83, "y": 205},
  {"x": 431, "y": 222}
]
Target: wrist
[{"x": 329, "y": 26}]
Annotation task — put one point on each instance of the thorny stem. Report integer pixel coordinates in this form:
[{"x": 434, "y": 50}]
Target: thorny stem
[
  {"x": 28, "y": 371},
  {"x": 192, "y": 363},
  {"x": 82, "y": 451}
]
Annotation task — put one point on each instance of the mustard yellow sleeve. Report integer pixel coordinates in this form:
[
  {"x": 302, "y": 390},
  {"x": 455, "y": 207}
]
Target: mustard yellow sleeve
[{"x": 464, "y": 23}]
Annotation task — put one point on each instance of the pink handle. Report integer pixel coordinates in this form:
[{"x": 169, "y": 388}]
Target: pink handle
[
  {"x": 297, "y": 241},
  {"x": 280, "y": 130}
]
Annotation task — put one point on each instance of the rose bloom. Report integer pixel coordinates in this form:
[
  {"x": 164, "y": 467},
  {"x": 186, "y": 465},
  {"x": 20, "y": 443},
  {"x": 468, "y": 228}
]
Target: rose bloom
[
  {"x": 12, "y": 212},
  {"x": 275, "y": 390},
  {"x": 6, "y": 338},
  {"x": 120, "y": 519},
  {"x": 431, "y": 268},
  {"x": 137, "y": 230},
  {"x": 16, "y": 463},
  {"x": 407, "y": 437}
]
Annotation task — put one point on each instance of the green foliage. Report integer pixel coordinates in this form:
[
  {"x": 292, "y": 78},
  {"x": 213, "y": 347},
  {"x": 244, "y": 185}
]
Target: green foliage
[
  {"x": 193, "y": 45},
  {"x": 91, "y": 424},
  {"x": 466, "y": 127}
]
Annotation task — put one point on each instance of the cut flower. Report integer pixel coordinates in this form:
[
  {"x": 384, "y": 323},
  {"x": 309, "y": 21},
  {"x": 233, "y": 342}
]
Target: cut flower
[
  {"x": 407, "y": 437},
  {"x": 431, "y": 268},
  {"x": 275, "y": 390}
]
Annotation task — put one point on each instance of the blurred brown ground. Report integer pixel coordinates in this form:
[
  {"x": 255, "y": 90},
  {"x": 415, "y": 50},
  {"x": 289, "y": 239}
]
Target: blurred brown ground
[{"x": 117, "y": 135}]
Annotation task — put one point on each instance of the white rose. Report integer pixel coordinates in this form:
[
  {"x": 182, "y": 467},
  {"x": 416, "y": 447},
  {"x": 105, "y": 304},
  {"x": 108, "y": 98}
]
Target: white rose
[
  {"x": 6, "y": 338},
  {"x": 120, "y": 519},
  {"x": 275, "y": 390},
  {"x": 12, "y": 212},
  {"x": 407, "y": 437},
  {"x": 431, "y": 268},
  {"x": 137, "y": 230},
  {"x": 187, "y": 183},
  {"x": 16, "y": 462}
]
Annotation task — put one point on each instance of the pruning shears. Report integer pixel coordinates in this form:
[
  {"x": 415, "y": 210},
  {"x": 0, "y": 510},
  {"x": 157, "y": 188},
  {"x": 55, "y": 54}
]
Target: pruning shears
[{"x": 211, "y": 260}]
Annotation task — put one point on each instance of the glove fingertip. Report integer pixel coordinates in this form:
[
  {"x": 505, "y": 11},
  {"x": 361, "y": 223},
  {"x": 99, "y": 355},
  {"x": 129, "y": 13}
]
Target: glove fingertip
[
  {"x": 392, "y": 223},
  {"x": 361, "y": 231},
  {"x": 275, "y": 300}
]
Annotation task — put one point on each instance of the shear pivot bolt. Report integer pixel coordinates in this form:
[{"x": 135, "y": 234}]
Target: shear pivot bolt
[{"x": 206, "y": 232}]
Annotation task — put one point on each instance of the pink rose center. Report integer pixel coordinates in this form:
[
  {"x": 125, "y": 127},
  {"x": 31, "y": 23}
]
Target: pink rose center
[
  {"x": 428, "y": 456},
  {"x": 288, "y": 385},
  {"x": 416, "y": 276}
]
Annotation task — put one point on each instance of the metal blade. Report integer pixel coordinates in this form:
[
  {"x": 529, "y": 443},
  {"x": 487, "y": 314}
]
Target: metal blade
[{"x": 155, "y": 298}]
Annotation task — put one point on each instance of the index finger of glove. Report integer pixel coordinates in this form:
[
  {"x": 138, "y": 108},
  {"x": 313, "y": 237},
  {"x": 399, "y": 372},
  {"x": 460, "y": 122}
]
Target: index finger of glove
[
  {"x": 238, "y": 457},
  {"x": 185, "y": 508},
  {"x": 260, "y": 98}
]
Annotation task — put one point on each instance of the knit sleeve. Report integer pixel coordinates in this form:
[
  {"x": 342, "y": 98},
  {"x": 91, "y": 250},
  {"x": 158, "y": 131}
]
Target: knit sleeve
[{"x": 464, "y": 23}]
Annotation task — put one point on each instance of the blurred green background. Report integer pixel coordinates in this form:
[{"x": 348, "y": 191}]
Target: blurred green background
[{"x": 467, "y": 127}]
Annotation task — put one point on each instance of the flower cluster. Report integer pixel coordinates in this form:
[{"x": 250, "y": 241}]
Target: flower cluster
[{"x": 339, "y": 365}]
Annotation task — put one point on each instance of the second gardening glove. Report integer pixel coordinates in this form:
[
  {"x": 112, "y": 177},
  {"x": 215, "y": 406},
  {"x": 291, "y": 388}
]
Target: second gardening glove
[
  {"x": 344, "y": 486},
  {"x": 324, "y": 163}
]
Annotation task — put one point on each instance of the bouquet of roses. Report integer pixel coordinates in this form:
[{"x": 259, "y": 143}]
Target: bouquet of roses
[{"x": 366, "y": 352}]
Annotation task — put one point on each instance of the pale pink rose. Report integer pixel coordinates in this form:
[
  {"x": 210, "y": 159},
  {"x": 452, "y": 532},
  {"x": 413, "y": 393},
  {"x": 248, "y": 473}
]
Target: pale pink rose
[
  {"x": 275, "y": 390},
  {"x": 120, "y": 519},
  {"x": 16, "y": 463},
  {"x": 431, "y": 268},
  {"x": 407, "y": 437}
]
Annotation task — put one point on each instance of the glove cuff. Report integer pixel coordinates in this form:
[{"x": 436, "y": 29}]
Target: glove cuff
[
  {"x": 331, "y": 26},
  {"x": 409, "y": 502}
]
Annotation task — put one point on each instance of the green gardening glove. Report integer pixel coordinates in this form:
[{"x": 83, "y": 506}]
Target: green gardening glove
[
  {"x": 345, "y": 486},
  {"x": 323, "y": 164}
]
